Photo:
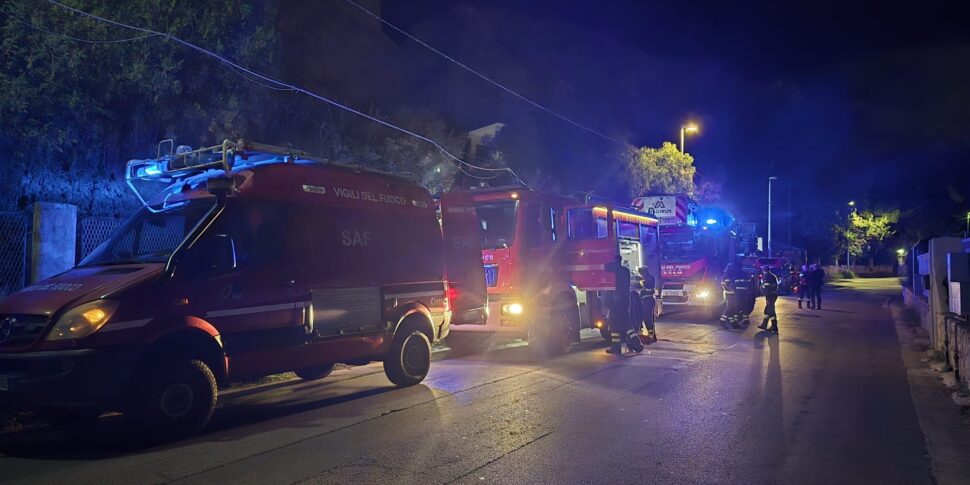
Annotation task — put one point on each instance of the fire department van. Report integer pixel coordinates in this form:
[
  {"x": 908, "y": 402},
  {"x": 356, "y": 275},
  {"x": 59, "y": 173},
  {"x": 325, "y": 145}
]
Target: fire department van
[{"x": 254, "y": 260}]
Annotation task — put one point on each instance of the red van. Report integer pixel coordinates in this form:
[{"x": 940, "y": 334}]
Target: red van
[{"x": 254, "y": 260}]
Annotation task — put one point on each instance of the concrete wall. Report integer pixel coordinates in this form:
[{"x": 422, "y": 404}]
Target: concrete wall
[{"x": 52, "y": 239}]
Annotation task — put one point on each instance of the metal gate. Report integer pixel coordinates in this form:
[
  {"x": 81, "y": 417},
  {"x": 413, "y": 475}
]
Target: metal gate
[
  {"x": 14, "y": 229},
  {"x": 92, "y": 231}
]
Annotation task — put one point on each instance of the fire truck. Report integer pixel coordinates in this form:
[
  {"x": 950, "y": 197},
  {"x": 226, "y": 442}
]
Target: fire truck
[
  {"x": 696, "y": 244},
  {"x": 544, "y": 257},
  {"x": 252, "y": 260}
]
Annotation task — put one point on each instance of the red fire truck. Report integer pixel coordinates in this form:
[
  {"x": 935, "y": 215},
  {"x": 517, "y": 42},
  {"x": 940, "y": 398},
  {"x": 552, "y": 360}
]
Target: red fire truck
[
  {"x": 253, "y": 260},
  {"x": 596, "y": 234},
  {"x": 544, "y": 258},
  {"x": 521, "y": 249},
  {"x": 696, "y": 244}
]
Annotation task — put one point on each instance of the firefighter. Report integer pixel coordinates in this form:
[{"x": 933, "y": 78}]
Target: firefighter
[
  {"x": 620, "y": 327},
  {"x": 648, "y": 297},
  {"x": 732, "y": 305},
  {"x": 747, "y": 293},
  {"x": 769, "y": 286},
  {"x": 816, "y": 280},
  {"x": 803, "y": 287}
]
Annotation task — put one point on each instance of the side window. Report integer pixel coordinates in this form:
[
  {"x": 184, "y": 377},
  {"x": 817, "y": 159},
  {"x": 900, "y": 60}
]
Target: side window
[
  {"x": 259, "y": 232},
  {"x": 534, "y": 225}
]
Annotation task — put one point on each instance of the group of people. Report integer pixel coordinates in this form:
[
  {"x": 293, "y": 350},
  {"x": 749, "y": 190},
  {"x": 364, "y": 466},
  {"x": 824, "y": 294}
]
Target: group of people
[
  {"x": 626, "y": 324},
  {"x": 741, "y": 289},
  {"x": 810, "y": 281}
]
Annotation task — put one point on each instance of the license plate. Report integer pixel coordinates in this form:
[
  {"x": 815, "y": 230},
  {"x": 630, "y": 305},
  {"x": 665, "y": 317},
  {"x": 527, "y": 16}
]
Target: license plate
[{"x": 4, "y": 384}]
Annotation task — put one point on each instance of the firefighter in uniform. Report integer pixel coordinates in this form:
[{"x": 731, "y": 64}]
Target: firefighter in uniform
[
  {"x": 648, "y": 297},
  {"x": 620, "y": 327},
  {"x": 769, "y": 286},
  {"x": 729, "y": 318},
  {"x": 747, "y": 293},
  {"x": 803, "y": 287}
]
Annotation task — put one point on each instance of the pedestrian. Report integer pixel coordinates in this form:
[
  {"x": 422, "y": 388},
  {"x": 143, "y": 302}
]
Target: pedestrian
[
  {"x": 648, "y": 298},
  {"x": 620, "y": 328},
  {"x": 803, "y": 291},
  {"x": 769, "y": 286},
  {"x": 818, "y": 281}
]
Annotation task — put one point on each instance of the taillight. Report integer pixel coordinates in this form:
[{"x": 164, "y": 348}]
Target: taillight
[{"x": 453, "y": 295}]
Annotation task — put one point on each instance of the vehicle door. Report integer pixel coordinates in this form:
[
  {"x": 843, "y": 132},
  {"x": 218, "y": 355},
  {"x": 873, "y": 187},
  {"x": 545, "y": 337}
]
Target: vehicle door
[
  {"x": 590, "y": 245},
  {"x": 237, "y": 278},
  {"x": 461, "y": 231}
]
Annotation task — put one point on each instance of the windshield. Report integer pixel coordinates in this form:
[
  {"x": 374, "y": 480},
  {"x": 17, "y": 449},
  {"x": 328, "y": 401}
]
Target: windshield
[
  {"x": 149, "y": 237},
  {"x": 498, "y": 224},
  {"x": 679, "y": 246}
]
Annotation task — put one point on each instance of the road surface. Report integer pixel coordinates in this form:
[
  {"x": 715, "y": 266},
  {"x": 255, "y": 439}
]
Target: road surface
[{"x": 827, "y": 401}]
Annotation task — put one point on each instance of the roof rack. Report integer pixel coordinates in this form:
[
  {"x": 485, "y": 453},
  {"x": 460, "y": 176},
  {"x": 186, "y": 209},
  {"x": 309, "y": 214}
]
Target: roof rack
[{"x": 183, "y": 162}]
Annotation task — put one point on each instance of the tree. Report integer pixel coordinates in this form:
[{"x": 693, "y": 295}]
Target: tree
[
  {"x": 867, "y": 230},
  {"x": 708, "y": 191},
  {"x": 664, "y": 170},
  {"x": 75, "y": 111}
]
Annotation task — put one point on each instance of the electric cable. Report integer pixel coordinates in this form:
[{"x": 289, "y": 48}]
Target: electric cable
[
  {"x": 286, "y": 86},
  {"x": 480, "y": 75}
]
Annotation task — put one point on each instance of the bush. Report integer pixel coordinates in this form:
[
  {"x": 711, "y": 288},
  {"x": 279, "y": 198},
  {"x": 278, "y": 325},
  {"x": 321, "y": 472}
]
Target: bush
[{"x": 848, "y": 274}]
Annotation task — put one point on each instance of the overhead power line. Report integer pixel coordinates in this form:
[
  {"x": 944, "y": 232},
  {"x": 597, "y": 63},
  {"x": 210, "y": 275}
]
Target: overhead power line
[
  {"x": 77, "y": 39},
  {"x": 280, "y": 85},
  {"x": 482, "y": 76}
]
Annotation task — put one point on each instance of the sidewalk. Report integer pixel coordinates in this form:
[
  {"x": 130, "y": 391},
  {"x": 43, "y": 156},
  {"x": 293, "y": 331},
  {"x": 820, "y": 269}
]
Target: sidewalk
[{"x": 945, "y": 426}]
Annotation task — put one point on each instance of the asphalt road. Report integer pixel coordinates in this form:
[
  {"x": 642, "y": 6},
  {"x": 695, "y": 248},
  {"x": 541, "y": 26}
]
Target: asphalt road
[{"x": 827, "y": 401}]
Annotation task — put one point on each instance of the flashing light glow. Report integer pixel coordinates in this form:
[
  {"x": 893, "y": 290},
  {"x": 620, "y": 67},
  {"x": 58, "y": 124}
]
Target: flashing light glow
[
  {"x": 625, "y": 216},
  {"x": 703, "y": 294},
  {"x": 711, "y": 221},
  {"x": 512, "y": 309}
]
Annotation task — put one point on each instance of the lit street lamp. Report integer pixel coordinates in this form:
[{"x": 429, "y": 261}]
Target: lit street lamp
[
  {"x": 689, "y": 128},
  {"x": 770, "y": 179}
]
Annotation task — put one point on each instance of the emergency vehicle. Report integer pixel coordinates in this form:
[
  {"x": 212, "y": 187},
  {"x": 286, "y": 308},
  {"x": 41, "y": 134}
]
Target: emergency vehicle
[
  {"x": 597, "y": 233},
  {"x": 545, "y": 262},
  {"x": 253, "y": 260},
  {"x": 521, "y": 243},
  {"x": 696, "y": 244}
]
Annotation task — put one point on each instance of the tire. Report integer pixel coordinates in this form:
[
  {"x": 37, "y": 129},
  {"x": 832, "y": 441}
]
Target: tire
[
  {"x": 315, "y": 373},
  {"x": 176, "y": 399},
  {"x": 409, "y": 360},
  {"x": 555, "y": 335},
  {"x": 607, "y": 336}
]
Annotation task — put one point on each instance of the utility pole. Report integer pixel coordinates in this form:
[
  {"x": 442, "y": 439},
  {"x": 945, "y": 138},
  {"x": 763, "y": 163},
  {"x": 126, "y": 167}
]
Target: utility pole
[
  {"x": 848, "y": 229},
  {"x": 770, "y": 179}
]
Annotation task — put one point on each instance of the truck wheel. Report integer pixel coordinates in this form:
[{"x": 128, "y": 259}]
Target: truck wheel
[
  {"x": 409, "y": 360},
  {"x": 555, "y": 336},
  {"x": 177, "y": 399},
  {"x": 315, "y": 373},
  {"x": 607, "y": 336}
]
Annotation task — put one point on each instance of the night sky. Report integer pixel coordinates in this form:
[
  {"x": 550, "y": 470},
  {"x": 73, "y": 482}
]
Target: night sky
[{"x": 843, "y": 100}]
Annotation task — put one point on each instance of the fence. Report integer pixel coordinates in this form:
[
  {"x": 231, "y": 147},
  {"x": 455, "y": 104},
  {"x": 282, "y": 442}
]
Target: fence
[
  {"x": 14, "y": 230},
  {"x": 92, "y": 231}
]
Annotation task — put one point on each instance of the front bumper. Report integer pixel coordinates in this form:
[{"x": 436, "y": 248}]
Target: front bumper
[{"x": 65, "y": 378}]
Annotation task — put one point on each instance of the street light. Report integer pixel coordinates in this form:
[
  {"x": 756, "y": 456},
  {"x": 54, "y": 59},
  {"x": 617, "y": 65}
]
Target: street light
[
  {"x": 689, "y": 128},
  {"x": 770, "y": 179},
  {"x": 848, "y": 228}
]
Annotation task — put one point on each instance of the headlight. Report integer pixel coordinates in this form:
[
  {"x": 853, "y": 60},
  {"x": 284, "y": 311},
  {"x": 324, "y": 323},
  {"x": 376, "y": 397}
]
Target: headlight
[
  {"x": 512, "y": 309},
  {"x": 83, "y": 320},
  {"x": 704, "y": 293}
]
